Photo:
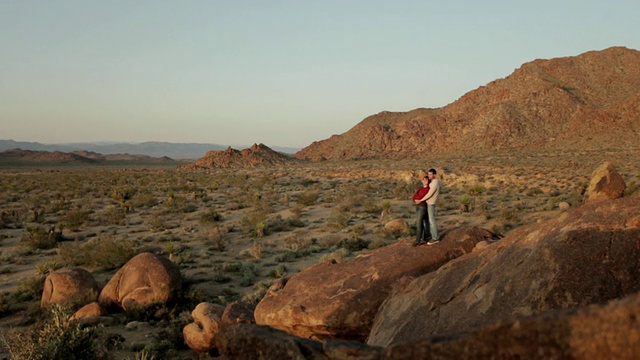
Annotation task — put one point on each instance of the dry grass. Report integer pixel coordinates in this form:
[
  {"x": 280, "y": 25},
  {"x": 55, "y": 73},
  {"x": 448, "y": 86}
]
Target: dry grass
[{"x": 234, "y": 233}]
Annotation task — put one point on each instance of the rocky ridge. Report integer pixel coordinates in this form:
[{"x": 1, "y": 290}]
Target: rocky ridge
[
  {"x": 258, "y": 155},
  {"x": 570, "y": 103}
]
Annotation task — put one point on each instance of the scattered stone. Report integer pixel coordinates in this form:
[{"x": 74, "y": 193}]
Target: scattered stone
[{"x": 564, "y": 206}]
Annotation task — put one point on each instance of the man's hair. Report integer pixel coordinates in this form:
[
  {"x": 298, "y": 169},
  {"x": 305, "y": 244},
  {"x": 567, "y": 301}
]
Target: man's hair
[{"x": 432, "y": 171}]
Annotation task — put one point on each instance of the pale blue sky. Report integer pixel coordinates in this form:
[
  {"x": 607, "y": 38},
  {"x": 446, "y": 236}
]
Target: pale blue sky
[{"x": 283, "y": 73}]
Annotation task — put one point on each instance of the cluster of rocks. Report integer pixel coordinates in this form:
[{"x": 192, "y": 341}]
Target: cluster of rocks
[
  {"x": 145, "y": 280},
  {"x": 565, "y": 288}
]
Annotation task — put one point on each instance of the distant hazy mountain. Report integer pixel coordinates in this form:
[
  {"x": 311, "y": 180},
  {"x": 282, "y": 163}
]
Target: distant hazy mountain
[{"x": 151, "y": 148}]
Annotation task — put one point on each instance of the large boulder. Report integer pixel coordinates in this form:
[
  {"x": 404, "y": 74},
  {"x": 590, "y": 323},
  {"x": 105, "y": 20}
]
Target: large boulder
[
  {"x": 69, "y": 286},
  {"x": 341, "y": 300},
  {"x": 609, "y": 331},
  {"x": 145, "y": 280},
  {"x": 586, "y": 255},
  {"x": 605, "y": 184}
]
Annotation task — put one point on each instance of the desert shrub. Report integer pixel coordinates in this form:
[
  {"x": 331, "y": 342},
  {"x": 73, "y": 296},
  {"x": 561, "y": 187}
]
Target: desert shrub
[
  {"x": 48, "y": 266},
  {"x": 218, "y": 237},
  {"x": 158, "y": 221},
  {"x": 41, "y": 238},
  {"x": 105, "y": 252},
  {"x": 29, "y": 289},
  {"x": 179, "y": 204},
  {"x": 339, "y": 219},
  {"x": 232, "y": 267},
  {"x": 255, "y": 296},
  {"x": 533, "y": 191},
  {"x": 465, "y": 201},
  {"x": 256, "y": 249},
  {"x": 339, "y": 255},
  {"x": 288, "y": 256},
  {"x": 308, "y": 182},
  {"x": 211, "y": 216},
  {"x": 403, "y": 191},
  {"x": 296, "y": 242},
  {"x": 143, "y": 200},
  {"x": 56, "y": 338},
  {"x": 376, "y": 244},
  {"x": 353, "y": 244},
  {"x": 112, "y": 215},
  {"x": 278, "y": 271},
  {"x": 308, "y": 198},
  {"x": 74, "y": 218},
  {"x": 249, "y": 273},
  {"x": 256, "y": 223},
  {"x": 476, "y": 189},
  {"x": 4, "y": 304}
]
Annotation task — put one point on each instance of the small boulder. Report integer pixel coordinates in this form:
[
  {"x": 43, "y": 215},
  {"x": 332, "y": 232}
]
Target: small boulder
[
  {"x": 397, "y": 227},
  {"x": 237, "y": 313},
  {"x": 69, "y": 286},
  {"x": 93, "y": 309},
  {"x": 605, "y": 184},
  {"x": 200, "y": 334},
  {"x": 145, "y": 280}
]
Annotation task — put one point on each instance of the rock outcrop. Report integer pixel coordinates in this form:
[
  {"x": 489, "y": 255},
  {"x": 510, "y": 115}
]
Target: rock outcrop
[
  {"x": 605, "y": 184},
  {"x": 69, "y": 286},
  {"x": 340, "y": 300},
  {"x": 571, "y": 103},
  {"x": 258, "y": 155},
  {"x": 145, "y": 280},
  {"x": 608, "y": 331},
  {"x": 587, "y": 255}
]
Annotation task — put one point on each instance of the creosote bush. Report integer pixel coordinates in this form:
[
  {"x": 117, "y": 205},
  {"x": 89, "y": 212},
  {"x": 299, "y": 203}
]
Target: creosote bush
[
  {"x": 55, "y": 338},
  {"x": 38, "y": 237},
  {"x": 105, "y": 252}
]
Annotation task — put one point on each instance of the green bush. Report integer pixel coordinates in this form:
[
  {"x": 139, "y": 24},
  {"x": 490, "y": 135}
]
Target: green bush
[
  {"x": 105, "y": 252},
  {"x": 55, "y": 338},
  {"x": 40, "y": 238}
]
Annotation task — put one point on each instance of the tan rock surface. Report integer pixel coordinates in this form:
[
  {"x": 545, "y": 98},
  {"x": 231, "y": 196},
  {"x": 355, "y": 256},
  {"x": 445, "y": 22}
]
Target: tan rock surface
[
  {"x": 70, "y": 286},
  {"x": 340, "y": 300},
  {"x": 146, "y": 279},
  {"x": 587, "y": 255},
  {"x": 605, "y": 184},
  {"x": 200, "y": 334}
]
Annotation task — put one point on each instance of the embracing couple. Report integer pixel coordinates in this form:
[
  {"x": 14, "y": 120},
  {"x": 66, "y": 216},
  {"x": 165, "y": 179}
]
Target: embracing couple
[{"x": 425, "y": 199}]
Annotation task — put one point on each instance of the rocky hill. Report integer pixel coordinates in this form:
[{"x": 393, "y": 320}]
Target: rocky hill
[
  {"x": 258, "y": 155},
  {"x": 589, "y": 101}
]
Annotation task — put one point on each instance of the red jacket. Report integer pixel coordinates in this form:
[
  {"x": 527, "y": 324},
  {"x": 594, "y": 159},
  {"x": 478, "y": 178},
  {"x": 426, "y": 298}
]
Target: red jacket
[{"x": 419, "y": 194}]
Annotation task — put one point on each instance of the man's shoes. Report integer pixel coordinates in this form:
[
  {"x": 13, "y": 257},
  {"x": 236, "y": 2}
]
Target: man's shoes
[
  {"x": 433, "y": 242},
  {"x": 415, "y": 243}
]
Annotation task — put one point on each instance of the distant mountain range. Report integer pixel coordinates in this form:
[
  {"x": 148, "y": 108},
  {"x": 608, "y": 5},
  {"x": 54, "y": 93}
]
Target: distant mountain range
[{"x": 176, "y": 151}]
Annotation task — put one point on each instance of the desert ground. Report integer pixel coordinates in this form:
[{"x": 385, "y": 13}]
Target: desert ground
[{"x": 233, "y": 232}]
